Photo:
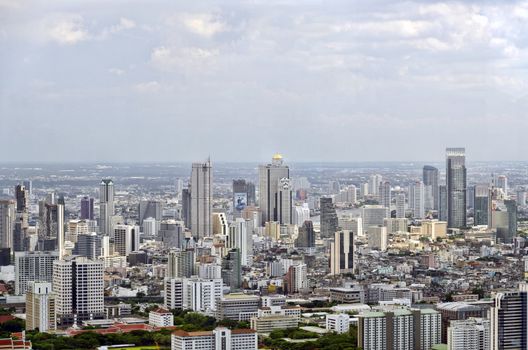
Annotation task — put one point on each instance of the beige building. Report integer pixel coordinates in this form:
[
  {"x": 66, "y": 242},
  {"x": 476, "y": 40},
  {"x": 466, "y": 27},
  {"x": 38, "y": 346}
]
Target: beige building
[
  {"x": 434, "y": 229},
  {"x": 40, "y": 307}
]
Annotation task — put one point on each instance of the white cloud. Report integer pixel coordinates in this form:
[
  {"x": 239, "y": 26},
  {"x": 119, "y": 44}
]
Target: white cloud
[
  {"x": 148, "y": 87},
  {"x": 67, "y": 30},
  {"x": 166, "y": 58},
  {"x": 204, "y": 24},
  {"x": 116, "y": 71}
]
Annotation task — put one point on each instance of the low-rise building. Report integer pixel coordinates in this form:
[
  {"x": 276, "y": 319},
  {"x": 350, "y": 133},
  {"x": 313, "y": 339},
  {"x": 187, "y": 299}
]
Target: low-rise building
[
  {"x": 339, "y": 323},
  {"x": 161, "y": 318},
  {"x": 219, "y": 339}
]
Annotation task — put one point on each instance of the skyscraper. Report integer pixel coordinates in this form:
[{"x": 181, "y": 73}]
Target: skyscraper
[
  {"x": 126, "y": 239},
  {"x": 442, "y": 203},
  {"x": 186, "y": 207},
  {"x": 374, "y": 182},
  {"x": 481, "y": 205},
  {"x": 306, "y": 237},
  {"x": 201, "y": 199},
  {"x": 87, "y": 208},
  {"x": 33, "y": 266},
  {"x": 417, "y": 199},
  {"x": 400, "y": 205},
  {"x": 342, "y": 253},
  {"x": 240, "y": 237},
  {"x": 7, "y": 219},
  {"x": 269, "y": 182},
  {"x": 509, "y": 321},
  {"x": 22, "y": 198},
  {"x": 240, "y": 197},
  {"x": 149, "y": 209},
  {"x": 40, "y": 307},
  {"x": 79, "y": 286},
  {"x": 329, "y": 220},
  {"x": 284, "y": 201},
  {"x": 232, "y": 269},
  {"x": 430, "y": 180},
  {"x": 502, "y": 183},
  {"x": 106, "y": 206},
  {"x": 385, "y": 194},
  {"x": 456, "y": 187}
]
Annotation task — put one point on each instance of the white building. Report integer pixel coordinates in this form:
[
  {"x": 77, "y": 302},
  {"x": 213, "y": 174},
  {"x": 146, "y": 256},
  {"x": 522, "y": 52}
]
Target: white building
[
  {"x": 400, "y": 205},
  {"x": 126, "y": 239},
  {"x": 150, "y": 227},
  {"x": 417, "y": 199},
  {"x": 79, "y": 286},
  {"x": 351, "y": 224},
  {"x": 377, "y": 238},
  {"x": 161, "y": 318},
  {"x": 269, "y": 181},
  {"x": 218, "y": 339},
  {"x": 301, "y": 214},
  {"x": 470, "y": 334},
  {"x": 201, "y": 294},
  {"x": 240, "y": 237},
  {"x": 33, "y": 266},
  {"x": 339, "y": 323},
  {"x": 373, "y": 215},
  {"x": 173, "y": 298},
  {"x": 374, "y": 182}
]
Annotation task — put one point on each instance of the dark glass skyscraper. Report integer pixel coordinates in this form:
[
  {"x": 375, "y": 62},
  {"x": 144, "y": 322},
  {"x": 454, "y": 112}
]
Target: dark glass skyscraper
[
  {"x": 329, "y": 221},
  {"x": 481, "y": 205},
  {"x": 87, "y": 208},
  {"x": 456, "y": 187},
  {"x": 430, "y": 179}
]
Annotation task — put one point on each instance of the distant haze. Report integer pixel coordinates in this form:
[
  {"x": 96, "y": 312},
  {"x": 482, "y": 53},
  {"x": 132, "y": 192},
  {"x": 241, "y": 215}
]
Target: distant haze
[{"x": 238, "y": 81}]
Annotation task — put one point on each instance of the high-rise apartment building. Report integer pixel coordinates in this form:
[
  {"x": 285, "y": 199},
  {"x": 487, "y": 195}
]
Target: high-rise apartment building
[
  {"x": 7, "y": 219},
  {"x": 79, "y": 287},
  {"x": 181, "y": 263},
  {"x": 509, "y": 320},
  {"x": 400, "y": 205},
  {"x": 33, "y": 266},
  {"x": 106, "y": 206},
  {"x": 374, "y": 183},
  {"x": 269, "y": 182},
  {"x": 502, "y": 183},
  {"x": 470, "y": 334},
  {"x": 201, "y": 199},
  {"x": 417, "y": 199},
  {"x": 296, "y": 278},
  {"x": 240, "y": 237},
  {"x": 456, "y": 184},
  {"x": 385, "y": 194}
]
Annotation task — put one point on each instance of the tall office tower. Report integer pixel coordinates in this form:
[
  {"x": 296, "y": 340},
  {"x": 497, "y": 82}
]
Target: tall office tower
[
  {"x": 374, "y": 182},
  {"x": 186, "y": 207},
  {"x": 385, "y": 194},
  {"x": 284, "y": 201},
  {"x": 456, "y": 187},
  {"x": 329, "y": 220},
  {"x": 149, "y": 209},
  {"x": 40, "y": 307},
  {"x": 481, "y": 205},
  {"x": 22, "y": 199},
  {"x": 470, "y": 334},
  {"x": 400, "y": 205},
  {"x": 470, "y": 195},
  {"x": 178, "y": 186},
  {"x": 88, "y": 245},
  {"x": 201, "y": 199},
  {"x": 106, "y": 206},
  {"x": 61, "y": 237},
  {"x": 172, "y": 233},
  {"x": 352, "y": 224},
  {"x": 430, "y": 180},
  {"x": 306, "y": 237},
  {"x": 7, "y": 220},
  {"x": 87, "y": 208},
  {"x": 79, "y": 286},
  {"x": 296, "y": 278},
  {"x": 364, "y": 189},
  {"x": 181, "y": 263},
  {"x": 33, "y": 266},
  {"x": 232, "y": 269},
  {"x": 28, "y": 184},
  {"x": 269, "y": 181},
  {"x": 442, "y": 203},
  {"x": 252, "y": 198},
  {"x": 521, "y": 197},
  {"x": 509, "y": 321},
  {"x": 342, "y": 253},
  {"x": 377, "y": 237},
  {"x": 417, "y": 199},
  {"x": 240, "y": 237},
  {"x": 150, "y": 227},
  {"x": 502, "y": 183},
  {"x": 301, "y": 214},
  {"x": 374, "y": 215},
  {"x": 240, "y": 197},
  {"x": 126, "y": 239}
]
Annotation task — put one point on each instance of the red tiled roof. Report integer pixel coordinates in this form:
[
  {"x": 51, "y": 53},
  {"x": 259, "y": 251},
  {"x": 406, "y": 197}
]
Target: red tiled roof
[{"x": 5, "y": 318}]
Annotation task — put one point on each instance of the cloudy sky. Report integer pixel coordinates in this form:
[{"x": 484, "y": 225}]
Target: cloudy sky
[{"x": 316, "y": 80}]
